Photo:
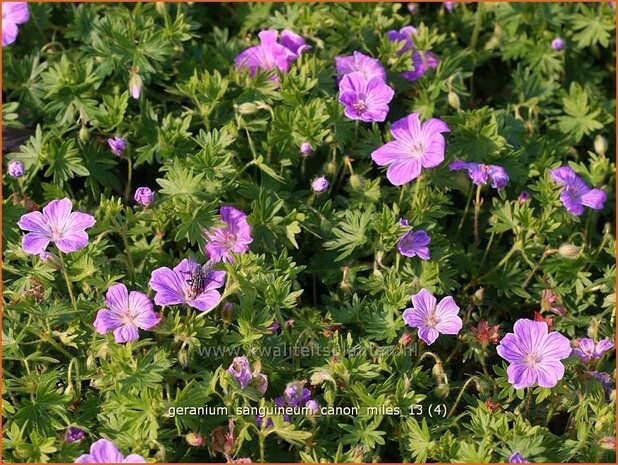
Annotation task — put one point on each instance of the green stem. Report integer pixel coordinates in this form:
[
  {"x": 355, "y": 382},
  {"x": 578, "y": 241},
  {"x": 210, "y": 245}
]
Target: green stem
[
  {"x": 127, "y": 191},
  {"x": 465, "y": 213},
  {"x": 127, "y": 249},
  {"x": 477, "y": 209},
  {"x": 477, "y": 25},
  {"x": 463, "y": 388},
  {"x": 67, "y": 280}
]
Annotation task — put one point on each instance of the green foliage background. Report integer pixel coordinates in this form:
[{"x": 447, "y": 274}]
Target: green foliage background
[{"x": 204, "y": 135}]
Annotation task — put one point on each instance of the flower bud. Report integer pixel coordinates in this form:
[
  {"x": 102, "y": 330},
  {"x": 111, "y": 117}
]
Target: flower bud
[
  {"x": 144, "y": 196},
  {"x": 194, "y": 439},
  {"x": 319, "y": 184},
  {"x": 357, "y": 182},
  {"x": 247, "y": 108},
  {"x": 406, "y": 339},
  {"x": 600, "y": 144},
  {"x": 478, "y": 296},
  {"x": 442, "y": 390},
  {"x": 74, "y": 434},
  {"x": 330, "y": 168},
  {"x": 305, "y": 149},
  {"x": 83, "y": 134},
  {"x": 226, "y": 312},
  {"x": 313, "y": 406},
  {"x": 608, "y": 443},
  {"x": 217, "y": 438},
  {"x": 453, "y": 100},
  {"x": 524, "y": 196},
  {"x": 558, "y": 44},
  {"x": 117, "y": 145},
  {"x": 160, "y": 6},
  {"x": 52, "y": 260},
  {"x": 569, "y": 251},
  {"x": 15, "y": 169},
  {"x": 135, "y": 86}
]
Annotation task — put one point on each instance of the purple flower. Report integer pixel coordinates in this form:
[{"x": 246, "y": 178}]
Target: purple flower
[
  {"x": 117, "y": 145},
  {"x": 517, "y": 458},
  {"x": 319, "y": 184},
  {"x": 575, "y": 193},
  {"x": 450, "y": 6},
  {"x": 235, "y": 237},
  {"x": 421, "y": 62},
  {"x": 412, "y": 7},
  {"x": 365, "y": 100},
  {"x": 269, "y": 54},
  {"x": 358, "y": 62},
  {"x": 558, "y": 44},
  {"x": 306, "y": 149},
  {"x": 188, "y": 283},
  {"x": 414, "y": 243},
  {"x": 74, "y": 434},
  {"x": 415, "y": 146},
  {"x": 431, "y": 319},
  {"x": 403, "y": 35},
  {"x": 481, "y": 174},
  {"x": 15, "y": 168},
  {"x": 13, "y": 14},
  {"x": 524, "y": 196},
  {"x": 57, "y": 224},
  {"x": 587, "y": 350},
  {"x": 124, "y": 313},
  {"x": 534, "y": 354},
  {"x": 313, "y": 406},
  {"x": 144, "y": 196},
  {"x": 241, "y": 370},
  {"x": 294, "y": 43},
  {"x": 104, "y": 451}
]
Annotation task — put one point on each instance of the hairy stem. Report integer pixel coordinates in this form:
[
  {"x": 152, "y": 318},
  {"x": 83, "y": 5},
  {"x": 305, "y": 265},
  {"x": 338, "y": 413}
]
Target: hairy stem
[{"x": 67, "y": 280}]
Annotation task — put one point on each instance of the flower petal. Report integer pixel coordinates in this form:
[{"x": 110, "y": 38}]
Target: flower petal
[
  {"x": 104, "y": 451},
  {"x": 429, "y": 335},
  {"x": 117, "y": 298},
  {"x": 206, "y": 301},
  {"x": 57, "y": 213},
  {"x": 594, "y": 199},
  {"x": 521, "y": 376},
  {"x": 549, "y": 373},
  {"x": 424, "y": 301},
  {"x": 402, "y": 172},
  {"x": 106, "y": 320},
  {"x": 35, "y": 222},
  {"x": 126, "y": 333},
  {"x": 35, "y": 243},
  {"x": 168, "y": 286}
]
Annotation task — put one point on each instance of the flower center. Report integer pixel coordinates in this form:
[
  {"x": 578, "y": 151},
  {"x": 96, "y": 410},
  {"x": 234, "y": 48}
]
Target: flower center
[
  {"x": 417, "y": 149},
  {"x": 532, "y": 359},
  {"x": 229, "y": 239},
  {"x": 55, "y": 234},
  {"x": 360, "y": 106},
  {"x": 127, "y": 317},
  {"x": 431, "y": 321}
]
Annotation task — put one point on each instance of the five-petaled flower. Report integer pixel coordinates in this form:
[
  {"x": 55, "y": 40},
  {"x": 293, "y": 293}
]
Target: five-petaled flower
[
  {"x": 104, "y": 451},
  {"x": 414, "y": 243},
  {"x": 432, "y": 319},
  {"x": 57, "y": 224},
  {"x": 124, "y": 313},
  {"x": 234, "y": 237},
  {"x": 534, "y": 354},
  {"x": 359, "y": 62},
  {"x": 188, "y": 283},
  {"x": 364, "y": 100},
  {"x": 586, "y": 349},
  {"x": 415, "y": 146},
  {"x": 481, "y": 174},
  {"x": 575, "y": 194}
]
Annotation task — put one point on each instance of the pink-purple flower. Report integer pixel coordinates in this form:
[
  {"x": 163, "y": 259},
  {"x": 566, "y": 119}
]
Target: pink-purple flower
[
  {"x": 104, "y": 451},
  {"x": 234, "y": 237},
  {"x": 364, "y": 100},
  {"x": 74, "y": 434},
  {"x": 516, "y": 457},
  {"x": 319, "y": 184},
  {"x": 57, "y": 224},
  {"x": 305, "y": 149},
  {"x": 124, "y": 313},
  {"x": 587, "y": 350},
  {"x": 432, "y": 318},
  {"x": 188, "y": 283},
  {"x": 241, "y": 370},
  {"x": 270, "y": 54},
  {"x": 558, "y": 44},
  {"x": 13, "y": 13},
  {"x": 575, "y": 194},
  {"x": 15, "y": 169},
  {"x": 481, "y": 174},
  {"x": 358, "y": 62},
  {"x": 422, "y": 61},
  {"x": 144, "y": 196},
  {"x": 414, "y": 243},
  {"x": 117, "y": 145},
  {"x": 415, "y": 146},
  {"x": 534, "y": 354}
]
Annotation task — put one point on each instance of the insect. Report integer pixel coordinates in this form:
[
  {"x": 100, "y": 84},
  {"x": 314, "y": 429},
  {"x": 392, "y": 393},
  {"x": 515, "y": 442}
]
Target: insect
[{"x": 198, "y": 279}]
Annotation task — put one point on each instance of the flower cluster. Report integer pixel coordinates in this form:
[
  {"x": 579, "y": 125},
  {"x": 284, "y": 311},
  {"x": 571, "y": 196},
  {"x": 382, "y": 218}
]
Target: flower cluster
[
  {"x": 240, "y": 369},
  {"x": 421, "y": 61}
]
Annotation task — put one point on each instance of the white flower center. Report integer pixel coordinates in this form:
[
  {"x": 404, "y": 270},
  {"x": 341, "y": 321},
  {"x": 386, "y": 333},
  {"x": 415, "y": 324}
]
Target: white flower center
[
  {"x": 532, "y": 359},
  {"x": 360, "y": 106},
  {"x": 127, "y": 317},
  {"x": 55, "y": 233},
  {"x": 417, "y": 149},
  {"x": 431, "y": 321},
  {"x": 229, "y": 239}
]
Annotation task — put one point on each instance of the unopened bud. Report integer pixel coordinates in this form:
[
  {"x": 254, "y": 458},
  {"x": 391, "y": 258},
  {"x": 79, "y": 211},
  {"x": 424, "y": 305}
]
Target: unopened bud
[
  {"x": 357, "y": 182},
  {"x": 247, "y": 108},
  {"x": 600, "y": 144},
  {"x": 406, "y": 339},
  {"x": 593, "y": 329},
  {"x": 477, "y": 298},
  {"x": 226, "y": 312},
  {"x": 442, "y": 390},
  {"x": 569, "y": 251},
  {"x": 330, "y": 168},
  {"x": 608, "y": 443},
  {"x": 83, "y": 134},
  {"x": 51, "y": 260},
  {"x": 160, "y": 6},
  {"x": 453, "y": 100},
  {"x": 135, "y": 86}
]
